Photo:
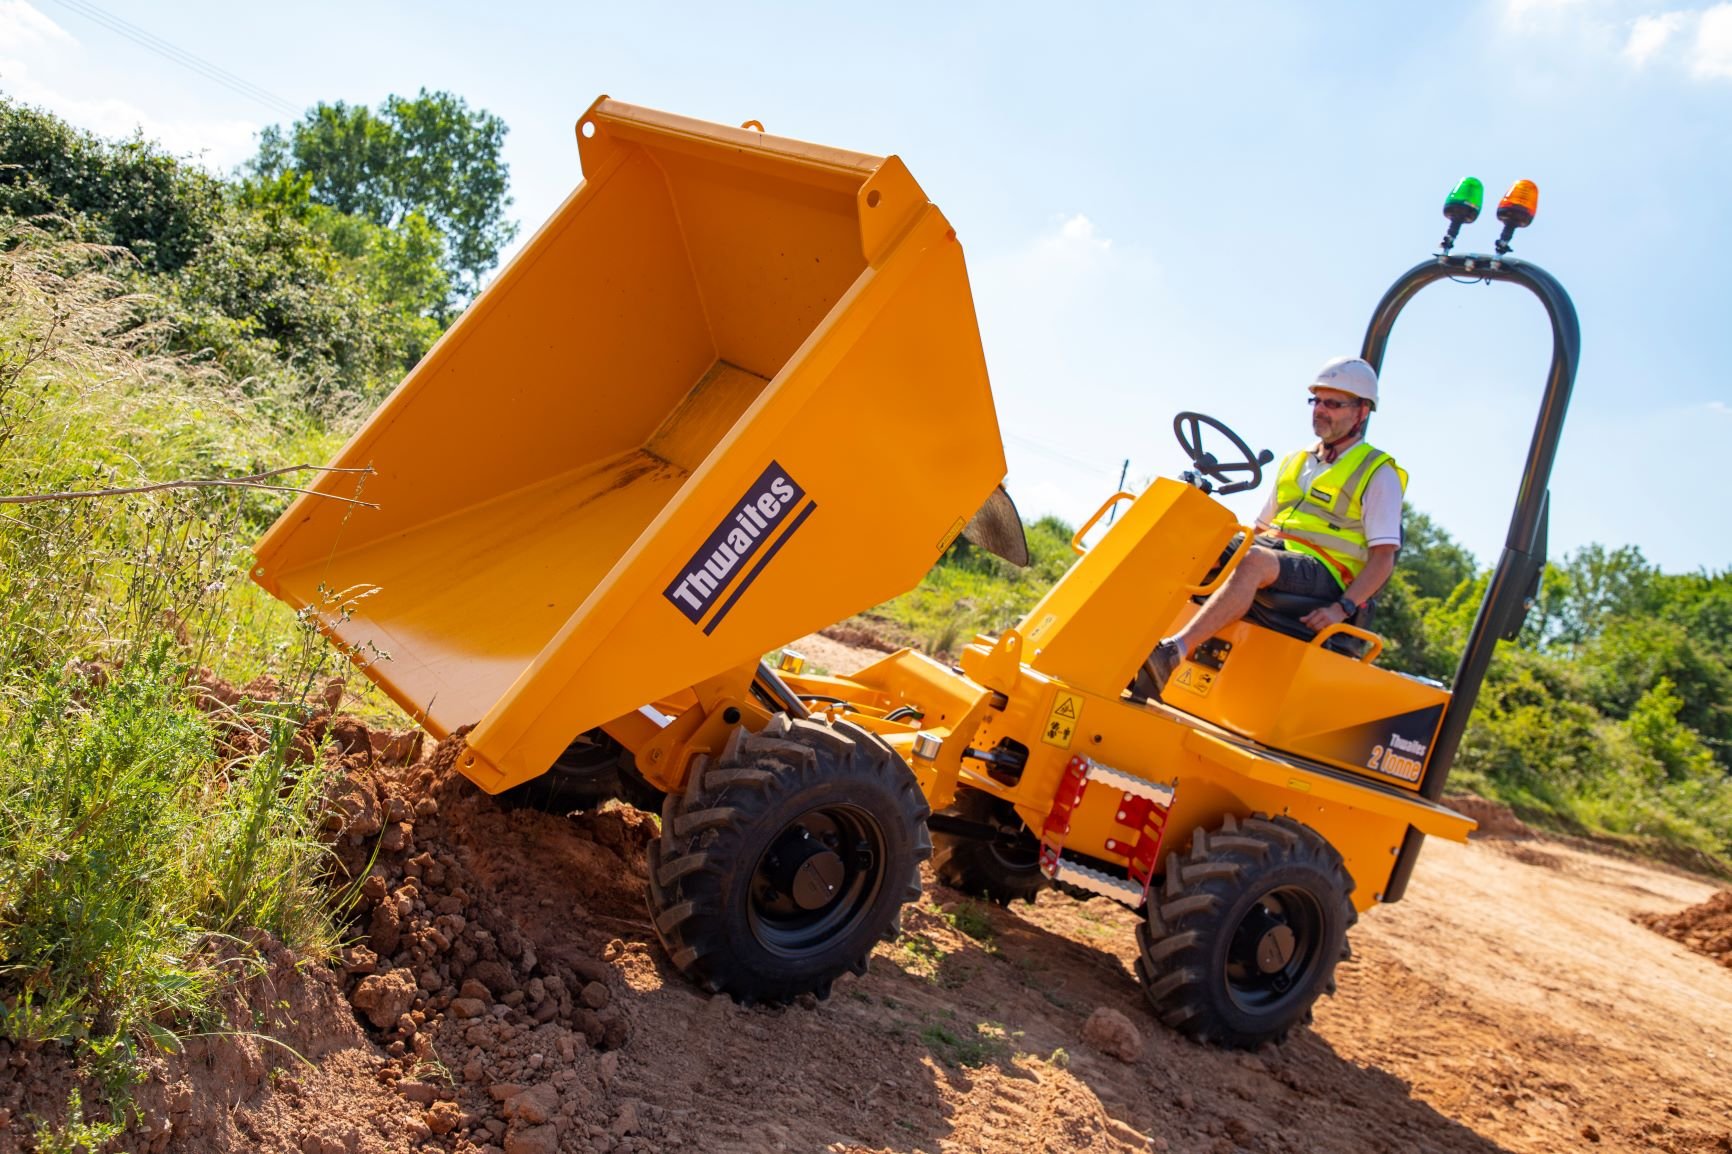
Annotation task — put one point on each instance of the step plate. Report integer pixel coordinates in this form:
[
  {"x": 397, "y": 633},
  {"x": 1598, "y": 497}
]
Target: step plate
[
  {"x": 1158, "y": 792},
  {"x": 1095, "y": 881}
]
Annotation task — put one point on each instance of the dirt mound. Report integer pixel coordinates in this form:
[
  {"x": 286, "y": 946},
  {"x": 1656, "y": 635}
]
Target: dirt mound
[
  {"x": 242, "y": 1083},
  {"x": 857, "y": 638},
  {"x": 1495, "y": 818},
  {"x": 489, "y": 973},
  {"x": 1705, "y": 927},
  {"x": 476, "y": 1011}
]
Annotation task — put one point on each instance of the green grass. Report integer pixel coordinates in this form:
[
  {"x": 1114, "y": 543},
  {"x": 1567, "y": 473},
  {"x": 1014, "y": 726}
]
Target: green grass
[
  {"x": 971, "y": 592},
  {"x": 985, "y": 1043},
  {"x": 971, "y": 918}
]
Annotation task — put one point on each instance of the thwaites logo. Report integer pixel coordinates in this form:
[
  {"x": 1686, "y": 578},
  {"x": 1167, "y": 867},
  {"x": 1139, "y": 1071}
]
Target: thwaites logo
[
  {"x": 1400, "y": 758},
  {"x": 749, "y": 531}
]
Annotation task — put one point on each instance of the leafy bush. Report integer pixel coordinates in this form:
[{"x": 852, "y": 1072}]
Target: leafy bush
[
  {"x": 131, "y": 194},
  {"x": 256, "y": 276},
  {"x": 971, "y": 591}
]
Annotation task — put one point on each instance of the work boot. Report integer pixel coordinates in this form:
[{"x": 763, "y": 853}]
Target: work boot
[{"x": 1157, "y": 669}]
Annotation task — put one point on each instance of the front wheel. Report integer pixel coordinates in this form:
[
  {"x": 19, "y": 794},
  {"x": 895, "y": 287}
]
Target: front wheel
[
  {"x": 1245, "y": 932},
  {"x": 783, "y": 864}
]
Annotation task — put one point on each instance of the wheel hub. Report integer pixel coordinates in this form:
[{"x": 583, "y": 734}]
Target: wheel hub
[
  {"x": 817, "y": 877},
  {"x": 806, "y": 869},
  {"x": 1274, "y": 948},
  {"x": 1274, "y": 942}
]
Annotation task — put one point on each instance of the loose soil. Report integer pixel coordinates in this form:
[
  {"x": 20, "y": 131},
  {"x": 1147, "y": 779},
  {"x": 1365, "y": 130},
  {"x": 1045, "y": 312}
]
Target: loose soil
[
  {"x": 1705, "y": 928},
  {"x": 505, "y": 994}
]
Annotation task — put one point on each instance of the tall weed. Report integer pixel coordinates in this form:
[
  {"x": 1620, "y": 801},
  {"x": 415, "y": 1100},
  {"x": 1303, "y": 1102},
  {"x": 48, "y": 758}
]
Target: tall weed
[{"x": 130, "y": 848}]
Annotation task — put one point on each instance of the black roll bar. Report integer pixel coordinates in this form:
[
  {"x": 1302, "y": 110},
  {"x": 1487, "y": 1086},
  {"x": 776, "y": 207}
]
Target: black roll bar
[{"x": 1515, "y": 581}]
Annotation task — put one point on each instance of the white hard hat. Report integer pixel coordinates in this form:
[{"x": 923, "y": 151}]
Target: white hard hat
[{"x": 1348, "y": 375}]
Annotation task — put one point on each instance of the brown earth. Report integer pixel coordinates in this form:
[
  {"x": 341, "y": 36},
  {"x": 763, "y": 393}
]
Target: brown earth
[
  {"x": 507, "y": 994},
  {"x": 1705, "y": 928}
]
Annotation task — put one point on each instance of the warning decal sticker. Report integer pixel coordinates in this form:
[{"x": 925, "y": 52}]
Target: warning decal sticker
[
  {"x": 1195, "y": 678},
  {"x": 1062, "y": 721}
]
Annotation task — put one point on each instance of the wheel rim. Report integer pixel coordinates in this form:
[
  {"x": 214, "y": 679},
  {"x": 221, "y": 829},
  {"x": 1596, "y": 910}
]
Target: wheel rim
[
  {"x": 817, "y": 880},
  {"x": 1274, "y": 949}
]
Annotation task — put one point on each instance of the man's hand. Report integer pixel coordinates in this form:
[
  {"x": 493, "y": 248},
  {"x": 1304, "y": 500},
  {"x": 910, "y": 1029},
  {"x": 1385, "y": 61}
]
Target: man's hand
[{"x": 1320, "y": 619}]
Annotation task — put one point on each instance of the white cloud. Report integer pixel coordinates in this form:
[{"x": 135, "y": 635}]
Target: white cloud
[
  {"x": 1711, "y": 57},
  {"x": 1649, "y": 34},
  {"x": 1719, "y": 408},
  {"x": 1693, "y": 41},
  {"x": 22, "y": 26},
  {"x": 1079, "y": 231}
]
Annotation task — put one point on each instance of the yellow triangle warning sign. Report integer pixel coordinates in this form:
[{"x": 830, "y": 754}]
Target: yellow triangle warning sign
[{"x": 1062, "y": 721}]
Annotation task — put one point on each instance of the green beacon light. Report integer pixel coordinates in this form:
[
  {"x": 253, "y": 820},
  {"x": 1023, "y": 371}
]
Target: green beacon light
[{"x": 1461, "y": 207}]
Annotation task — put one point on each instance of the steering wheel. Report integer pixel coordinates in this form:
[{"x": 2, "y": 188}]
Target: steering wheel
[{"x": 1188, "y": 428}]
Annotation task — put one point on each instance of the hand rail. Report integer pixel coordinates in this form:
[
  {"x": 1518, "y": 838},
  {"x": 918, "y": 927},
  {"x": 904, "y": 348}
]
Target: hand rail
[
  {"x": 1076, "y": 541},
  {"x": 1365, "y": 635}
]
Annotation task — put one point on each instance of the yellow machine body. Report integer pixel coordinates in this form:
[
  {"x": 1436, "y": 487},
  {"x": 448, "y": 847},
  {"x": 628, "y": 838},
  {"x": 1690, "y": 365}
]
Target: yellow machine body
[
  {"x": 1251, "y": 740},
  {"x": 619, "y": 472}
]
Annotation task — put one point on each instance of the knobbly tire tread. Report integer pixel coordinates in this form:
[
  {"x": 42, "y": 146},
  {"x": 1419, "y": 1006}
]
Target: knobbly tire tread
[
  {"x": 1181, "y": 954},
  {"x": 730, "y": 811},
  {"x": 971, "y": 866}
]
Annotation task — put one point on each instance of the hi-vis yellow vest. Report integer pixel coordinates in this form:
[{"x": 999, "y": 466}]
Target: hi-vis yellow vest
[{"x": 1327, "y": 521}]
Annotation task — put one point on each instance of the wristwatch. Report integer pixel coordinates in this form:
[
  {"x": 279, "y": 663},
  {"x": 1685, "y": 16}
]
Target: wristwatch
[{"x": 1347, "y": 606}]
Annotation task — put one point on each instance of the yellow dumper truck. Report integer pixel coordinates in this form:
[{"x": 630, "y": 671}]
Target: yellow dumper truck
[{"x": 732, "y": 392}]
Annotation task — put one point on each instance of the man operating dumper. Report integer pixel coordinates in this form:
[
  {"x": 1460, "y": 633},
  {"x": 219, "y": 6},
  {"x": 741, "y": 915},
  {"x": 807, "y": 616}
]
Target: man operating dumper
[{"x": 1330, "y": 529}]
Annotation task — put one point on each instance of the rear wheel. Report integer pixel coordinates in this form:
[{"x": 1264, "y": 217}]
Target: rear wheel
[
  {"x": 1245, "y": 932},
  {"x": 593, "y": 769},
  {"x": 1003, "y": 868},
  {"x": 786, "y": 861}
]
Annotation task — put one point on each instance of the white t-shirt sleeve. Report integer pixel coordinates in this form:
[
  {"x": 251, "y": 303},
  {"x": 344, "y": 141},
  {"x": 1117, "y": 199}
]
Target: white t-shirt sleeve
[
  {"x": 1382, "y": 508},
  {"x": 1267, "y": 517}
]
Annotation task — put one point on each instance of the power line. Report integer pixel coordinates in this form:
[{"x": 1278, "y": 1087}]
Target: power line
[
  {"x": 1059, "y": 454},
  {"x": 182, "y": 57}
]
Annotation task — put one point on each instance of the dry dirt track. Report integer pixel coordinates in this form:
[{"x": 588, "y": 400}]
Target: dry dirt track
[{"x": 1509, "y": 1004}]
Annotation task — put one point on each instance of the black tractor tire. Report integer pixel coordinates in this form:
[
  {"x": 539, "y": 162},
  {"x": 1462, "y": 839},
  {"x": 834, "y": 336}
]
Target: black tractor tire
[
  {"x": 1245, "y": 931},
  {"x": 1002, "y": 870},
  {"x": 787, "y": 859}
]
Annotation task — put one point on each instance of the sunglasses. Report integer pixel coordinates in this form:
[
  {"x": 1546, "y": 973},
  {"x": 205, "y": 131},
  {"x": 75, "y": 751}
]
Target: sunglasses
[{"x": 1331, "y": 403}]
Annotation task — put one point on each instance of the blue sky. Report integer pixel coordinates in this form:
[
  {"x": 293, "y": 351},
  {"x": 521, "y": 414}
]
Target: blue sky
[{"x": 1164, "y": 206}]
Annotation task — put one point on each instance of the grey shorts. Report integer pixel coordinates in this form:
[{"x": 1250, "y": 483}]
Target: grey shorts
[{"x": 1300, "y": 573}]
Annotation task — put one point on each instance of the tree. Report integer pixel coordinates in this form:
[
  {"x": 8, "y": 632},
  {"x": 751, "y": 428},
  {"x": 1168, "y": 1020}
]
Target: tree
[
  {"x": 1597, "y": 585},
  {"x": 433, "y": 156},
  {"x": 1417, "y": 612}
]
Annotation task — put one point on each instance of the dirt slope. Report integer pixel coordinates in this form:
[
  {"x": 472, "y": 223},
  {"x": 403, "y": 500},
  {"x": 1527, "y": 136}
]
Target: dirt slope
[{"x": 513, "y": 999}]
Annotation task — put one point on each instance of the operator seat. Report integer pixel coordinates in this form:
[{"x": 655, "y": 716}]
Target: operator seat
[{"x": 1283, "y": 612}]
